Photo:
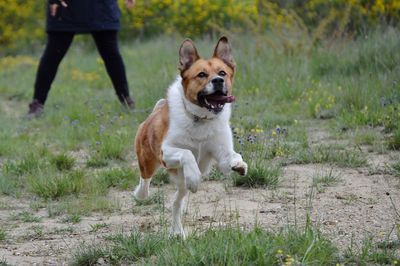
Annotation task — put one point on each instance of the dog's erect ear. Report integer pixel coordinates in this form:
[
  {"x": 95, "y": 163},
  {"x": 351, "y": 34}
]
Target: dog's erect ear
[
  {"x": 223, "y": 52},
  {"x": 187, "y": 55}
]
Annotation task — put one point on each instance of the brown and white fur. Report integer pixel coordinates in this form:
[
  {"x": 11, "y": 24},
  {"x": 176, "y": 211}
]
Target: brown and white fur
[{"x": 185, "y": 133}]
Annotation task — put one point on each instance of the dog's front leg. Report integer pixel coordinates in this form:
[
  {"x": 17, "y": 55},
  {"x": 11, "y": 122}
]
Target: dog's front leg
[
  {"x": 177, "y": 158},
  {"x": 237, "y": 164},
  {"x": 222, "y": 150},
  {"x": 231, "y": 161}
]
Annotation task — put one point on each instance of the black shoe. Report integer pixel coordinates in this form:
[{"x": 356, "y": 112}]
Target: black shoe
[
  {"x": 35, "y": 109},
  {"x": 128, "y": 102}
]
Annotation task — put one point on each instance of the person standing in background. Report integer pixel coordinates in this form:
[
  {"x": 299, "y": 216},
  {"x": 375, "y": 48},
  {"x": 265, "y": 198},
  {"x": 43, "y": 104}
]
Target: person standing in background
[{"x": 65, "y": 18}]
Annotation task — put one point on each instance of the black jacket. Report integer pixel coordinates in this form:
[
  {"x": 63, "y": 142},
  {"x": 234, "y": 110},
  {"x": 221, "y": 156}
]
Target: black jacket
[{"x": 83, "y": 16}]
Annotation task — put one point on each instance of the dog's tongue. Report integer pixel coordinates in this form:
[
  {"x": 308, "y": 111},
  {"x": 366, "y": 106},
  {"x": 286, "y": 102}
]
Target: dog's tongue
[{"x": 221, "y": 99}]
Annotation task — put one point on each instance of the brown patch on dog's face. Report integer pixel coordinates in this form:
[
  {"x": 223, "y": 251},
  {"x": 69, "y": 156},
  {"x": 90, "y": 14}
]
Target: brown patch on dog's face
[{"x": 207, "y": 83}]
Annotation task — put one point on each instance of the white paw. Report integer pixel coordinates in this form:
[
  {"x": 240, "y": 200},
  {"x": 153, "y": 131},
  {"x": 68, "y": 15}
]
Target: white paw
[
  {"x": 193, "y": 179},
  {"x": 240, "y": 167},
  {"x": 140, "y": 193},
  {"x": 193, "y": 184},
  {"x": 177, "y": 231}
]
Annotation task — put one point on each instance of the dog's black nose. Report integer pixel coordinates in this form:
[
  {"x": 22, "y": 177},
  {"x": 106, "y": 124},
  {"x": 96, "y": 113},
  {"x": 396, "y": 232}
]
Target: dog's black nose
[{"x": 217, "y": 81}]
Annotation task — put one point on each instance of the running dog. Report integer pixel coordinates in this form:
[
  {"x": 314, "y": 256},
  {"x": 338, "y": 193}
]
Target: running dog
[{"x": 189, "y": 130}]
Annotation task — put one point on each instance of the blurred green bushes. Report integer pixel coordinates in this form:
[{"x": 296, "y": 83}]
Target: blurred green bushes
[{"x": 22, "y": 21}]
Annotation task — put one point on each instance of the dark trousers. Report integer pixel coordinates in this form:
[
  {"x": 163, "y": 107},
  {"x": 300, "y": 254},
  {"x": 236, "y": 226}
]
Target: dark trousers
[{"x": 57, "y": 46}]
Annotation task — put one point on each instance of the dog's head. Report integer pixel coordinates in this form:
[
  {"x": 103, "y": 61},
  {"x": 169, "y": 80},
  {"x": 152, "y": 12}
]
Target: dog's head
[{"x": 207, "y": 83}]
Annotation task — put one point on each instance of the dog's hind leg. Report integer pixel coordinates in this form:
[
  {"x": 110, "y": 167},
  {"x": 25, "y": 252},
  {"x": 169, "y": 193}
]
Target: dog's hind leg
[
  {"x": 147, "y": 169},
  {"x": 142, "y": 190},
  {"x": 177, "y": 206}
]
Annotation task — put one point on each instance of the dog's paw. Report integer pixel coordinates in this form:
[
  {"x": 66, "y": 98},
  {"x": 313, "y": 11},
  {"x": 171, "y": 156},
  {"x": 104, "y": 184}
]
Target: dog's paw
[
  {"x": 193, "y": 184},
  {"x": 140, "y": 193},
  {"x": 193, "y": 179},
  {"x": 177, "y": 232},
  {"x": 240, "y": 168}
]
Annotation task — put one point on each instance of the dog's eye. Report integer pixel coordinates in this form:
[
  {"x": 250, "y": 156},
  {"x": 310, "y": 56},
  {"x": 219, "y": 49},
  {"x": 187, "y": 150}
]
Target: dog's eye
[
  {"x": 222, "y": 73},
  {"x": 202, "y": 75}
]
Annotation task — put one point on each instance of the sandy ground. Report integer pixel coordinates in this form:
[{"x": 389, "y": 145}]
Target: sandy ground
[{"x": 361, "y": 205}]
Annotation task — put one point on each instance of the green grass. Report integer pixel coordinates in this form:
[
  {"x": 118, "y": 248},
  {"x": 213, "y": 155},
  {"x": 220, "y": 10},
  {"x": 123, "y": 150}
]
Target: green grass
[
  {"x": 215, "y": 175},
  {"x": 325, "y": 179},
  {"x": 26, "y": 217},
  {"x": 331, "y": 154},
  {"x": 368, "y": 53},
  {"x": 366, "y": 137},
  {"x": 395, "y": 168},
  {"x": 63, "y": 162},
  {"x": 37, "y": 232},
  {"x": 73, "y": 218},
  {"x": 9, "y": 185},
  {"x": 112, "y": 148},
  {"x": 29, "y": 164},
  {"x": 372, "y": 254},
  {"x": 361, "y": 98},
  {"x": 63, "y": 230},
  {"x": 3, "y": 235},
  {"x": 259, "y": 175},
  {"x": 83, "y": 205},
  {"x": 97, "y": 226},
  {"x": 226, "y": 246},
  {"x": 87, "y": 255},
  {"x": 133, "y": 247},
  {"x": 54, "y": 186},
  {"x": 394, "y": 141},
  {"x": 123, "y": 178},
  {"x": 96, "y": 161},
  {"x": 160, "y": 178},
  {"x": 154, "y": 198}
]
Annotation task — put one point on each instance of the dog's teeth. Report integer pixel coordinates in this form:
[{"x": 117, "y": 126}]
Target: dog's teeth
[{"x": 205, "y": 100}]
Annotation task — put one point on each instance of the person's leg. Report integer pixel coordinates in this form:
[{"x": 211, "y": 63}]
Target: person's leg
[
  {"x": 107, "y": 45},
  {"x": 57, "y": 46}
]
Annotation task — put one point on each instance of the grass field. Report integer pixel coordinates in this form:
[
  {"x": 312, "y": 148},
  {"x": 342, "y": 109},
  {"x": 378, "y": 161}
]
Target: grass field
[{"x": 320, "y": 132}]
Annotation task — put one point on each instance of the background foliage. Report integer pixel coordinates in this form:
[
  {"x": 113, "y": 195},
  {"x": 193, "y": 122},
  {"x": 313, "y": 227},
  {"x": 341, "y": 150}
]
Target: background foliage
[{"x": 22, "y": 21}]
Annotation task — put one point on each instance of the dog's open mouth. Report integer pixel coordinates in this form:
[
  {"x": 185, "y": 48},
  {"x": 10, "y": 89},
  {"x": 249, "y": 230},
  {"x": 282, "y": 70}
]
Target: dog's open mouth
[{"x": 215, "y": 102}]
